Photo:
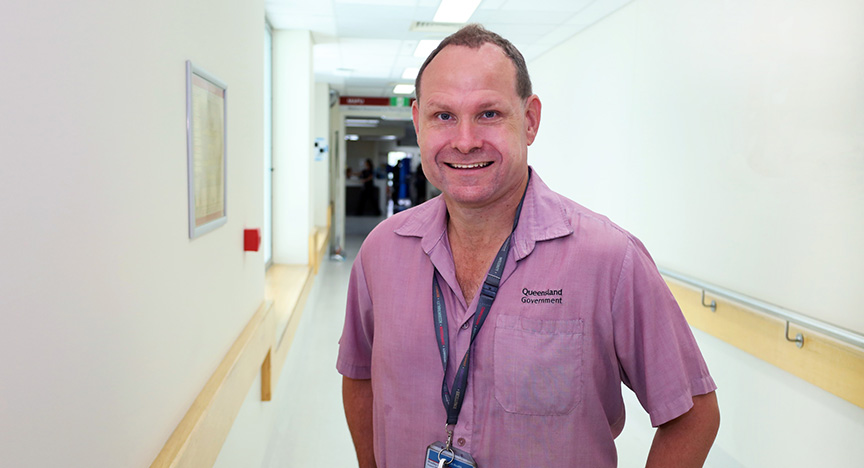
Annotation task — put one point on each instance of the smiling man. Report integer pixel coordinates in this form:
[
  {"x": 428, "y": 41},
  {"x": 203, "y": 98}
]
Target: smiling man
[{"x": 494, "y": 325}]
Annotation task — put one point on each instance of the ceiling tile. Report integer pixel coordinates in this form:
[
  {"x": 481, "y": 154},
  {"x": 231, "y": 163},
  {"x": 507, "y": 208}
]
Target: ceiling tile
[
  {"x": 318, "y": 24},
  {"x": 376, "y": 29},
  {"x": 554, "y": 6},
  {"x": 597, "y": 11},
  {"x": 526, "y": 18},
  {"x": 373, "y": 40},
  {"x": 491, "y": 5},
  {"x": 519, "y": 34},
  {"x": 299, "y": 7},
  {"x": 357, "y": 11},
  {"x": 356, "y": 46},
  {"x": 365, "y": 3}
]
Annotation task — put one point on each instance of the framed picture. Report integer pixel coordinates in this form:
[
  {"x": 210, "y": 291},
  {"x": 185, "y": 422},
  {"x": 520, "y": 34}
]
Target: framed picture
[{"x": 206, "y": 128}]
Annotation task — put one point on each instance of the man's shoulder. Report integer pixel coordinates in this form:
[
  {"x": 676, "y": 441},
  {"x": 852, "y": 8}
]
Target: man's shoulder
[
  {"x": 574, "y": 213},
  {"x": 588, "y": 225},
  {"x": 414, "y": 222}
]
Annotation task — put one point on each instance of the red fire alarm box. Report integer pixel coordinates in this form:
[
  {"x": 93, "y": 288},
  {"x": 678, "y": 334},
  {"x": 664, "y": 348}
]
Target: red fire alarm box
[{"x": 251, "y": 240}]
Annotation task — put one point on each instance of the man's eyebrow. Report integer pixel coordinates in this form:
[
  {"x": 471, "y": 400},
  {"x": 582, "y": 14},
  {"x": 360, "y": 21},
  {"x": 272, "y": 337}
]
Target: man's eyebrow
[
  {"x": 483, "y": 105},
  {"x": 489, "y": 105},
  {"x": 434, "y": 105}
]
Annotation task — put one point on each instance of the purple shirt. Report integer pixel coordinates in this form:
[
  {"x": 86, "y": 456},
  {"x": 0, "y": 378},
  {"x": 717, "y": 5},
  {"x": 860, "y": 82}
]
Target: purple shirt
[{"x": 581, "y": 309}]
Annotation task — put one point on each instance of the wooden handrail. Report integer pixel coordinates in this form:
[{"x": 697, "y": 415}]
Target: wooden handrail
[
  {"x": 825, "y": 360},
  {"x": 198, "y": 439}
]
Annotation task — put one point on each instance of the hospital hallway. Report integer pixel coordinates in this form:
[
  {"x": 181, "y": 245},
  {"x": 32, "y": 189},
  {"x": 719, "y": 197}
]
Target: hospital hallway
[
  {"x": 185, "y": 185},
  {"x": 310, "y": 422}
]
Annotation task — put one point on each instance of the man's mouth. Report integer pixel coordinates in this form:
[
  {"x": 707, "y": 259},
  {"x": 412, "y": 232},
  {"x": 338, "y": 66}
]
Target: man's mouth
[{"x": 469, "y": 166}]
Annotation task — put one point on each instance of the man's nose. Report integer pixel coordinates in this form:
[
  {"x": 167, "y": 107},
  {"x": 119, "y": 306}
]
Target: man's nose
[{"x": 467, "y": 137}]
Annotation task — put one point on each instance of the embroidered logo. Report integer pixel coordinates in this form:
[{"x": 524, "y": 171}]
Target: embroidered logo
[{"x": 546, "y": 296}]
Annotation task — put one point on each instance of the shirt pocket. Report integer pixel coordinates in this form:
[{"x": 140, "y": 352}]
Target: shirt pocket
[{"x": 538, "y": 365}]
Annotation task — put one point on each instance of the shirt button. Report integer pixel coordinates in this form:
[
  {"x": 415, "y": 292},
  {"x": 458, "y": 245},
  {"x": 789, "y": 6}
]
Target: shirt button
[
  {"x": 461, "y": 441},
  {"x": 465, "y": 326}
]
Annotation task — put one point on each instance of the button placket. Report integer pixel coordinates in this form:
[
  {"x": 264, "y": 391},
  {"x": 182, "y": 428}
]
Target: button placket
[{"x": 466, "y": 418}]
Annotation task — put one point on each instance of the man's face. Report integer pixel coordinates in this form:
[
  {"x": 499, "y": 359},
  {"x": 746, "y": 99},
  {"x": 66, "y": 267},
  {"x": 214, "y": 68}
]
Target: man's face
[{"x": 472, "y": 128}]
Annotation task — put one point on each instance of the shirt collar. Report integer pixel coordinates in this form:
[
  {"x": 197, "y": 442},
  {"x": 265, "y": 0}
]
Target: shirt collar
[{"x": 543, "y": 218}]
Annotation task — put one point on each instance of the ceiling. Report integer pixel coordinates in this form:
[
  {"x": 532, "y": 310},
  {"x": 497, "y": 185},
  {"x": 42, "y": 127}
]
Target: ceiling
[{"x": 362, "y": 47}]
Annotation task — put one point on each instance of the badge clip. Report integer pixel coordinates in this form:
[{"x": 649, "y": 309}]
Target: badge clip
[{"x": 449, "y": 444}]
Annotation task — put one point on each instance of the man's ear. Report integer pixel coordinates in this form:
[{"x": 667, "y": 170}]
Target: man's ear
[
  {"x": 532, "y": 117},
  {"x": 415, "y": 116}
]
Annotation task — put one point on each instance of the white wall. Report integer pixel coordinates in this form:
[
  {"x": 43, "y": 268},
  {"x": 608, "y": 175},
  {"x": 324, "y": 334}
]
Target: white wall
[
  {"x": 729, "y": 137},
  {"x": 293, "y": 98},
  {"x": 320, "y": 186},
  {"x": 111, "y": 318}
]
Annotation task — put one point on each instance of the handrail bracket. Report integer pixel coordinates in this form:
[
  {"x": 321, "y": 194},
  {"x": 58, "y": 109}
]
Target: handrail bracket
[
  {"x": 712, "y": 305},
  {"x": 798, "y": 340}
]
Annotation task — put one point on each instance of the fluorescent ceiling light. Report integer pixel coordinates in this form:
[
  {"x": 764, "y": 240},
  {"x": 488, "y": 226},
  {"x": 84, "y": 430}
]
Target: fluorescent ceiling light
[
  {"x": 403, "y": 89},
  {"x": 369, "y": 123},
  {"x": 410, "y": 73},
  {"x": 455, "y": 11},
  {"x": 351, "y": 137},
  {"x": 425, "y": 47}
]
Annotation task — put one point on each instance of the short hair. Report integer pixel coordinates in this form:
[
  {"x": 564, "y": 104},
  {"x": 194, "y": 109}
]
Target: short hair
[{"x": 474, "y": 36}]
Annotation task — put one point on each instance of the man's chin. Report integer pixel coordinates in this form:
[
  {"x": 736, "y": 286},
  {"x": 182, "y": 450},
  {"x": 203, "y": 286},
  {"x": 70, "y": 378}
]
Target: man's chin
[{"x": 468, "y": 197}]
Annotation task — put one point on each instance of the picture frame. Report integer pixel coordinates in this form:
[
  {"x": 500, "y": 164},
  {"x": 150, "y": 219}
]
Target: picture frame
[{"x": 206, "y": 149}]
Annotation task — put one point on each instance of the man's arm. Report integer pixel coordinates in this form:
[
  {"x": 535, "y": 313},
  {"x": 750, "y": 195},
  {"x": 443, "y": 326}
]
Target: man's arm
[
  {"x": 357, "y": 399},
  {"x": 684, "y": 442}
]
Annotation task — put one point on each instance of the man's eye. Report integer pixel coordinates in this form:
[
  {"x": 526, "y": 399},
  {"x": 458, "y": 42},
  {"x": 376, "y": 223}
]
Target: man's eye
[
  {"x": 444, "y": 116},
  {"x": 490, "y": 114}
]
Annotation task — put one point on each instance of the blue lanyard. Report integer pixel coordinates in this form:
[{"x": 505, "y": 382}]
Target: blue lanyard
[{"x": 453, "y": 399}]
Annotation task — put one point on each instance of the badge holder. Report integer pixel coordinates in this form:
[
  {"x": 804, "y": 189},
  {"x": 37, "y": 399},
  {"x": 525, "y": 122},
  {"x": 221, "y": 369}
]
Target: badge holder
[{"x": 439, "y": 455}]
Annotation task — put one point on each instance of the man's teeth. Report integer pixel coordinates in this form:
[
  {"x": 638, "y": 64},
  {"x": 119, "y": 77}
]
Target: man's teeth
[{"x": 469, "y": 166}]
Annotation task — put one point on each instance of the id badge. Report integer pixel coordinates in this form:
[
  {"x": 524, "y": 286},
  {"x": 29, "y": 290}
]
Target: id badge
[{"x": 437, "y": 457}]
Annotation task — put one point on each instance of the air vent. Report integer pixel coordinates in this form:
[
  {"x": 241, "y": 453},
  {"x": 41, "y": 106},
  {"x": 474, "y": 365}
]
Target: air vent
[{"x": 433, "y": 27}]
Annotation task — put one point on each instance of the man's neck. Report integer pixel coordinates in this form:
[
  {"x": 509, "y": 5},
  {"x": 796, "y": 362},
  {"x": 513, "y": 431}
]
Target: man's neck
[
  {"x": 475, "y": 236},
  {"x": 480, "y": 226}
]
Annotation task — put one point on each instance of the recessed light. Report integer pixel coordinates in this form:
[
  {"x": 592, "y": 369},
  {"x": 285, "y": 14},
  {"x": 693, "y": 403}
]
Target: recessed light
[
  {"x": 455, "y": 11},
  {"x": 403, "y": 89}
]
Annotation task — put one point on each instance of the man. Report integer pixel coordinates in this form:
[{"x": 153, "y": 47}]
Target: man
[{"x": 539, "y": 355}]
